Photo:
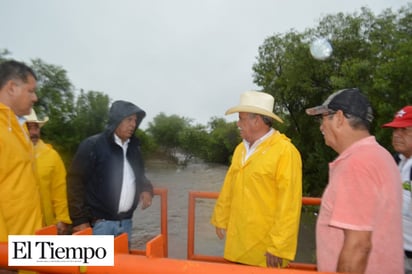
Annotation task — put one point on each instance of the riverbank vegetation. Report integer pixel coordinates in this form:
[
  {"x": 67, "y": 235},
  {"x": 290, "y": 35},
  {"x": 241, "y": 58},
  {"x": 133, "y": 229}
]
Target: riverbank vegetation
[{"x": 372, "y": 52}]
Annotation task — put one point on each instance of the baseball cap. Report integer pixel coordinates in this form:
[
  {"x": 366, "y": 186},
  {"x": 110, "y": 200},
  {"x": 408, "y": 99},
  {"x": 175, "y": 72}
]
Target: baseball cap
[
  {"x": 350, "y": 101},
  {"x": 403, "y": 118}
]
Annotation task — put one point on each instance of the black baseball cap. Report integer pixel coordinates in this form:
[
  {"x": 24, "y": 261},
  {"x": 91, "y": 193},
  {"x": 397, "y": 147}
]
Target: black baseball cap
[{"x": 350, "y": 101}]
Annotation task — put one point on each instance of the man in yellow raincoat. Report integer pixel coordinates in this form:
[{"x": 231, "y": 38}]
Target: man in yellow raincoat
[
  {"x": 260, "y": 201},
  {"x": 52, "y": 177},
  {"x": 20, "y": 209}
]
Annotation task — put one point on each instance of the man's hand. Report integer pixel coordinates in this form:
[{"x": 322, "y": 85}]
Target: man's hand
[
  {"x": 63, "y": 228},
  {"x": 220, "y": 232},
  {"x": 80, "y": 227},
  {"x": 146, "y": 199},
  {"x": 273, "y": 261}
]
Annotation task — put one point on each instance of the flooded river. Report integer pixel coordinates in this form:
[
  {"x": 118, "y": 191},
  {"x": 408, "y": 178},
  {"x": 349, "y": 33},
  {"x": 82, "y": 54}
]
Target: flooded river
[{"x": 179, "y": 182}]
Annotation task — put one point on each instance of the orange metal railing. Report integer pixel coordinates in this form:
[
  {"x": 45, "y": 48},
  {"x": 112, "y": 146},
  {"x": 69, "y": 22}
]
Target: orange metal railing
[
  {"x": 193, "y": 195},
  {"x": 157, "y": 247},
  {"x": 162, "y": 192},
  {"x": 154, "y": 259}
]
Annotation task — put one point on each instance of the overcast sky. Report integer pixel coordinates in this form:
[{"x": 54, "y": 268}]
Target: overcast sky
[{"x": 186, "y": 57}]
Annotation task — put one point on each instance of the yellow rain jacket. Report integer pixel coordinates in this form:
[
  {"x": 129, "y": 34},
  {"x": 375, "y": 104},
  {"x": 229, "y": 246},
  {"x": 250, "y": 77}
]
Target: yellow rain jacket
[
  {"x": 260, "y": 202},
  {"x": 20, "y": 209},
  {"x": 52, "y": 182}
]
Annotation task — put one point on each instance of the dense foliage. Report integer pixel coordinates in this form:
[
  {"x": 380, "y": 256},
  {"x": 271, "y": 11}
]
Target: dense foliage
[
  {"x": 175, "y": 135},
  {"x": 371, "y": 52}
]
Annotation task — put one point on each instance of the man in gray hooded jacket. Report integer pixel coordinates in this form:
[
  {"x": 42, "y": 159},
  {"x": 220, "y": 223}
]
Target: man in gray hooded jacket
[{"x": 106, "y": 180}]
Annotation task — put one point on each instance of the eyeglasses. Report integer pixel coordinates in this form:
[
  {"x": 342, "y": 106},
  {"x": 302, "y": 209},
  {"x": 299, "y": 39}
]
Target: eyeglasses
[{"x": 326, "y": 114}]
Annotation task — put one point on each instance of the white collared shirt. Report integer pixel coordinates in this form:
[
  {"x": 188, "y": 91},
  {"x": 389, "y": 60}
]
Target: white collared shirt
[
  {"x": 405, "y": 166},
  {"x": 128, "y": 184},
  {"x": 251, "y": 149},
  {"x": 22, "y": 120}
]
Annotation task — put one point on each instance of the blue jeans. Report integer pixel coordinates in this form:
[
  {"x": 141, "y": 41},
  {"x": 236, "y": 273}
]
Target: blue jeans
[{"x": 108, "y": 227}]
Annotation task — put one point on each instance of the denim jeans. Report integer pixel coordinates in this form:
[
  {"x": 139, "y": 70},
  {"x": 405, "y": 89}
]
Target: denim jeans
[{"x": 108, "y": 227}]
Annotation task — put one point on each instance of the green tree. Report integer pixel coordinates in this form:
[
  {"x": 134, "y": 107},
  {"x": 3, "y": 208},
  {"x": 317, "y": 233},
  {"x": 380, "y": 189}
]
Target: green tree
[
  {"x": 369, "y": 52},
  {"x": 192, "y": 141},
  {"x": 56, "y": 100},
  {"x": 165, "y": 131},
  {"x": 392, "y": 50},
  {"x": 223, "y": 138},
  {"x": 89, "y": 116},
  {"x": 92, "y": 111},
  {"x": 148, "y": 144},
  {"x": 72, "y": 118}
]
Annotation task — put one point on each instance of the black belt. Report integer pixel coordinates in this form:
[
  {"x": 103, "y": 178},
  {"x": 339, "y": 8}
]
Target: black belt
[{"x": 408, "y": 254}]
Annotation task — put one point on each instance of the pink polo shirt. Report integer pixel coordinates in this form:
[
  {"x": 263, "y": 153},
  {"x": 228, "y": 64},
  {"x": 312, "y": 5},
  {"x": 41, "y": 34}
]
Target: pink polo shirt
[{"x": 363, "y": 194}]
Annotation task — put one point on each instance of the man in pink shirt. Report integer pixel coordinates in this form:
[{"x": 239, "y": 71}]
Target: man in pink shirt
[{"x": 359, "y": 228}]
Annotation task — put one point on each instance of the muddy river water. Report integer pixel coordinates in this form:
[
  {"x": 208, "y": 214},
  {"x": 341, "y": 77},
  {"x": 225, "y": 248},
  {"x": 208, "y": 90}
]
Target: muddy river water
[{"x": 179, "y": 182}]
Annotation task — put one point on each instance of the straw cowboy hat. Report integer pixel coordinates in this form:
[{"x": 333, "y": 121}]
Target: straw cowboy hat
[
  {"x": 256, "y": 102},
  {"x": 32, "y": 118}
]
